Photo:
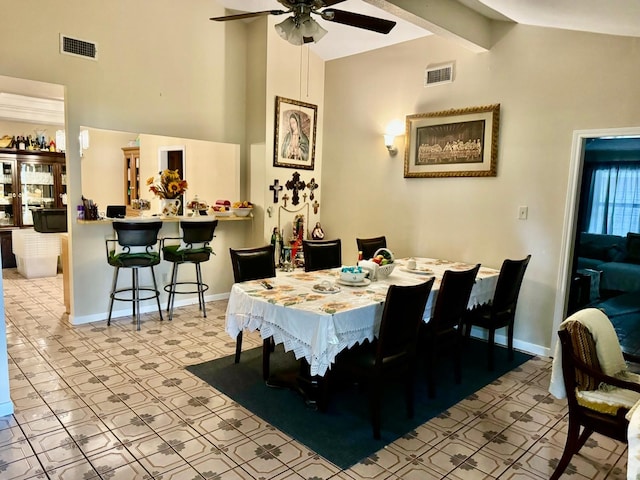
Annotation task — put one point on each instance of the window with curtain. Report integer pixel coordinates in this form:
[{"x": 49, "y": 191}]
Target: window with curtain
[{"x": 614, "y": 205}]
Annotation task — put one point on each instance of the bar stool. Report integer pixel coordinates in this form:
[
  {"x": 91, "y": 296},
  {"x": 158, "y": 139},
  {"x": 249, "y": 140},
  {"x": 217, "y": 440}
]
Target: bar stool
[
  {"x": 134, "y": 247},
  {"x": 193, "y": 248}
]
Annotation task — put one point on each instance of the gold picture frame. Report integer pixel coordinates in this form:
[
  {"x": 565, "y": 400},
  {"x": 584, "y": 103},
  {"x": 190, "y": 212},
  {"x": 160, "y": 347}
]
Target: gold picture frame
[
  {"x": 453, "y": 143},
  {"x": 295, "y": 134}
]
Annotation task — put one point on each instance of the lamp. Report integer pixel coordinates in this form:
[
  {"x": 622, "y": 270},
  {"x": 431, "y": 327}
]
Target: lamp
[
  {"x": 388, "y": 142},
  {"x": 395, "y": 128},
  {"x": 300, "y": 29}
]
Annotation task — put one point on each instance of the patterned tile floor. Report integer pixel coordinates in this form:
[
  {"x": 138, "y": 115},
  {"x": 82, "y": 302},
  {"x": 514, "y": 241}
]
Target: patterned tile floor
[{"x": 93, "y": 402}]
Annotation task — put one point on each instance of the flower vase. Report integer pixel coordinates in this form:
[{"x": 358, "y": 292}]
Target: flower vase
[{"x": 169, "y": 207}]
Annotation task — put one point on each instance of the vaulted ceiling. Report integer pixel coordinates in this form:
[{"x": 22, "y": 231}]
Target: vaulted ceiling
[{"x": 467, "y": 21}]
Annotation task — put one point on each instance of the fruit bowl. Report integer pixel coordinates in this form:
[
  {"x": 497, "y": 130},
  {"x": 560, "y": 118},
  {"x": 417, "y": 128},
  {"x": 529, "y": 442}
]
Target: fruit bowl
[
  {"x": 352, "y": 274},
  {"x": 221, "y": 211},
  {"x": 241, "y": 212}
]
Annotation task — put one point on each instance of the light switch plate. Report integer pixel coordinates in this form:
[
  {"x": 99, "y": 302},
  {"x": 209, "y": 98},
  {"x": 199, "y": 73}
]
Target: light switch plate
[{"x": 523, "y": 212}]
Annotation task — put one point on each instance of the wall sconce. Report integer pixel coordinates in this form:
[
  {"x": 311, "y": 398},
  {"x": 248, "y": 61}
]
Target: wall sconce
[
  {"x": 395, "y": 128},
  {"x": 389, "y": 143}
]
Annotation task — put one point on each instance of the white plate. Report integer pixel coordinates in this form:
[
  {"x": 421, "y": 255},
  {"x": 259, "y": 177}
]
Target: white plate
[
  {"x": 361, "y": 283},
  {"x": 419, "y": 271},
  {"x": 329, "y": 289}
]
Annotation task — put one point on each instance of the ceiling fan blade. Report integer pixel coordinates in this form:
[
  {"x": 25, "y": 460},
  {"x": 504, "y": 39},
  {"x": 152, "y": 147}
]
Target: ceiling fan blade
[
  {"x": 240, "y": 16},
  {"x": 358, "y": 20},
  {"x": 328, "y": 3}
]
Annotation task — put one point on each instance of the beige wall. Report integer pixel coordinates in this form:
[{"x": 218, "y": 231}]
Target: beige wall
[
  {"x": 277, "y": 68},
  {"x": 162, "y": 69},
  {"x": 103, "y": 167},
  {"x": 548, "y": 82}
]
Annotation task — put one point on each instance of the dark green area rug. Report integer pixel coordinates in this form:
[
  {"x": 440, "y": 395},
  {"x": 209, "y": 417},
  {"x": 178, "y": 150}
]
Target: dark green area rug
[{"x": 343, "y": 433}]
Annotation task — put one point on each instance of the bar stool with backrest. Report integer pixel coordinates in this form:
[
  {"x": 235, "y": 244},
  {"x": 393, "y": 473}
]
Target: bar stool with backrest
[
  {"x": 321, "y": 254},
  {"x": 135, "y": 247},
  {"x": 253, "y": 264},
  {"x": 369, "y": 246},
  {"x": 194, "y": 248}
]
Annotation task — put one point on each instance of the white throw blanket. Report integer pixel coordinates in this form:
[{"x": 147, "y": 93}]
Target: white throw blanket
[{"x": 607, "y": 348}]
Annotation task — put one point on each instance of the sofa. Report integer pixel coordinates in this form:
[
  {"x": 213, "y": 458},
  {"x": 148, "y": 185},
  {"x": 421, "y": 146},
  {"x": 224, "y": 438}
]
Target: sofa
[{"x": 616, "y": 257}]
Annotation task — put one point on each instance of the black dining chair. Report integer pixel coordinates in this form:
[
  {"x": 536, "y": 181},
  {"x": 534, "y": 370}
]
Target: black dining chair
[
  {"x": 253, "y": 264},
  {"x": 443, "y": 332},
  {"x": 321, "y": 254},
  {"x": 369, "y": 246},
  {"x": 392, "y": 356},
  {"x": 501, "y": 311}
]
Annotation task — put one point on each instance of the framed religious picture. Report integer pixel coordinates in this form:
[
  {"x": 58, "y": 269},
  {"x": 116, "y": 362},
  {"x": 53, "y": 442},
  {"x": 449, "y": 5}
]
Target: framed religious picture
[
  {"x": 453, "y": 143},
  {"x": 295, "y": 134}
]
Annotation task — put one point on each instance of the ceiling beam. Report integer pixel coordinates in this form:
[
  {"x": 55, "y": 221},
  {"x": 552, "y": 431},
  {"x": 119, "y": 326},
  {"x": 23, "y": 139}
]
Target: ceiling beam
[{"x": 445, "y": 18}]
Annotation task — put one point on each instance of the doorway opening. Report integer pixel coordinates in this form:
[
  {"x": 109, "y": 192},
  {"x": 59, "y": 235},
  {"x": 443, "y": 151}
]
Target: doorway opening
[
  {"x": 173, "y": 158},
  {"x": 602, "y": 232}
]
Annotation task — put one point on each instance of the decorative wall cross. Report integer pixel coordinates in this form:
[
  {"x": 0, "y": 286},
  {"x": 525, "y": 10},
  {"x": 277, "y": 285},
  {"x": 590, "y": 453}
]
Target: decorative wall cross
[
  {"x": 297, "y": 186},
  {"x": 285, "y": 198},
  {"x": 276, "y": 187},
  {"x": 312, "y": 185},
  {"x": 315, "y": 205}
]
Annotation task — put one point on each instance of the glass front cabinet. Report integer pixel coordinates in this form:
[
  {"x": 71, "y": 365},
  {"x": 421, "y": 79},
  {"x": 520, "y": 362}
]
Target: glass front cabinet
[{"x": 29, "y": 180}]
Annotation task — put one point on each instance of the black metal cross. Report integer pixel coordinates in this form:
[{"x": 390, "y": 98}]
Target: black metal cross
[
  {"x": 276, "y": 187},
  {"x": 296, "y": 185},
  {"x": 312, "y": 185}
]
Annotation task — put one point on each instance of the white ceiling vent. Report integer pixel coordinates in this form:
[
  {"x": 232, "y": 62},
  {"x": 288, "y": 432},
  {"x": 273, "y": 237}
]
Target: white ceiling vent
[
  {"x": 439, "y": 74},
  {"x": 78, "y": 48}
]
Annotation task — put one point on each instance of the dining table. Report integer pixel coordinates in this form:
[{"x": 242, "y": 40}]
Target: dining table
[{"x": 316, "y": 315}]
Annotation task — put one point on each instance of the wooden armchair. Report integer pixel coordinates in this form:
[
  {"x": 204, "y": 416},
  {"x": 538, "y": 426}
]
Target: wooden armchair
[{"x": 591, "y": 407}]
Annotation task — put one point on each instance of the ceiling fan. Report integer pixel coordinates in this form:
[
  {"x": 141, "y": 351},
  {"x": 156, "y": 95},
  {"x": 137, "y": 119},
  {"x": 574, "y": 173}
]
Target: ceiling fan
[{"x": 300, "y": 28}]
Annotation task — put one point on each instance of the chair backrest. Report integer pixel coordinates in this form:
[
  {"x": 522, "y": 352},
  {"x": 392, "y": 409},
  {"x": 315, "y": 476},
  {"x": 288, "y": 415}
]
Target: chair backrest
[
  {"x": 321, "y": 254},
  {"x": 505, "y": 297},
  {"x": 253, "y": 263},
  {"x": 198, "y": 231},
  {"x": 368, "y": 246},
  {"x": 401, "y": 319},
  {"x": 453, "y": 297},
  {"x": 137, "y": 234},
  {"x": 576, "y": 341}
]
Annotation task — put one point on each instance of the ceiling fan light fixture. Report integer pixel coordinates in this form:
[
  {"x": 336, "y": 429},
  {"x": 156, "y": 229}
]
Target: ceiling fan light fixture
[
  {"x": 312, "y": 29},
  {"x": 286, "y": 28},
  {"x": 298, "y": 33}
]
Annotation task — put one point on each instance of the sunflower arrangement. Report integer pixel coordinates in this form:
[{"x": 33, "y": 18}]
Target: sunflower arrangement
[{"x": 167, "y": 184}]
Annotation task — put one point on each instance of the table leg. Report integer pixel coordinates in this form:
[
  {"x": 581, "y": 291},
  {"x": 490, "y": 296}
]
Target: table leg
[{"x": 310, "y": 387}]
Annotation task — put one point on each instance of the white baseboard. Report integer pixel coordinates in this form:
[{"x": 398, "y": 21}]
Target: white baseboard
[
  {"x": 149, "y": 307},
  {"x": 525, "y": 347}
]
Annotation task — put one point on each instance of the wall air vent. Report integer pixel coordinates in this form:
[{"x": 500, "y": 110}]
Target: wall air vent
[
  {"x": 78, "y": 48},
  {"x": 439, "y": 74}
]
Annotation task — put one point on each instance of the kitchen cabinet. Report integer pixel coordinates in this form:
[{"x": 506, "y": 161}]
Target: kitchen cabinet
[{"x": 29, "y": 179}]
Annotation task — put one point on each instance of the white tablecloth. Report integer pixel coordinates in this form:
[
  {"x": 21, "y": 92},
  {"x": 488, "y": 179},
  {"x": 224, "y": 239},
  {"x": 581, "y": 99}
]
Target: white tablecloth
[
  {"x": 633, "y": 436},
  {"x": 317, "y": 326}
]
